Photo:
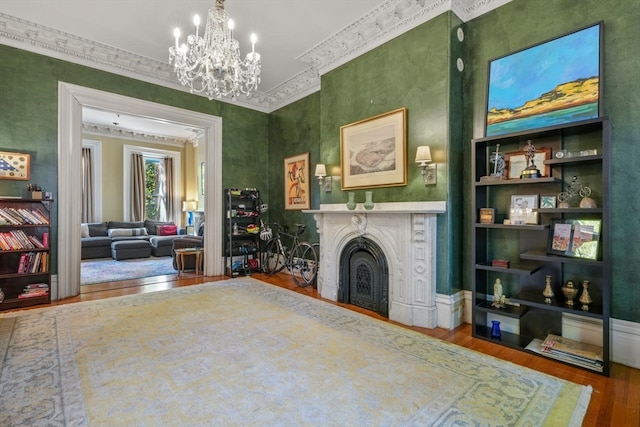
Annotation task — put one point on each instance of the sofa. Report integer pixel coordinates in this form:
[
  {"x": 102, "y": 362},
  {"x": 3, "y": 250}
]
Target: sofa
[{"x": 127, "y": 239}]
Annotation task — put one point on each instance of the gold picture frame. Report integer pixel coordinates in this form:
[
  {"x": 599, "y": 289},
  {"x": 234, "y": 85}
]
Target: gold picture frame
[
  {"x": 15, "y": 166},
  {"x": 296, "y": 184},
  {"x": 373, "y": 152}
]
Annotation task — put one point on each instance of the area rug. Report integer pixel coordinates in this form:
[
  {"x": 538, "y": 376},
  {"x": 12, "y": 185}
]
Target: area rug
[
  {"x": 241, "y": 352},
  {"x": 110, "y": 270}
]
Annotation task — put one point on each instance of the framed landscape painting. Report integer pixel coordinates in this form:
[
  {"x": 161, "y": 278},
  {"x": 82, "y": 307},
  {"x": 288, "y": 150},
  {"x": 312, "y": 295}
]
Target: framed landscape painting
[
  {"x": 373, "y": 151},
  {"x": 552, "y": 83}
]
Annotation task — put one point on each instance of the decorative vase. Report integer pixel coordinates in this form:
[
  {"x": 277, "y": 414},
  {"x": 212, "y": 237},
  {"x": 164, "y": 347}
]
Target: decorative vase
[
  {"x": 585, "y": 298},
  {"x": 351, "y": 204},
  {"x": 368, "y": 201},
  {"x": 495, "y": 329},
  {"x": 570, "y": 292},
  {"x": 548, "y": 292}
]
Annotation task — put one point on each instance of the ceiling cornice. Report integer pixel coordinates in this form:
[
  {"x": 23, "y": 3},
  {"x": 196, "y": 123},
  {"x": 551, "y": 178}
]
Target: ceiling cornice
[
  {"x": 136, "y": 135},
  {"x": 387, "y": 21}
]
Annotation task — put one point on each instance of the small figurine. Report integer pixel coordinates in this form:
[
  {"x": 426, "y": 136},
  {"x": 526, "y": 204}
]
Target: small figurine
[{"x": 498, "y": 297}]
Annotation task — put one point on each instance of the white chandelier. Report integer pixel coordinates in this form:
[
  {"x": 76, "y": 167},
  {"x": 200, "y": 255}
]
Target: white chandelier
[{"x": 211, "y": 65}]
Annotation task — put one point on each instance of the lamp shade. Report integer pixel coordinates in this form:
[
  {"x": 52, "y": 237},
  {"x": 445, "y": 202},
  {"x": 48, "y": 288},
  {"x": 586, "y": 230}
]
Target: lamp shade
[
  {"x": 189, "y": 205},
  {"x": 423, "y": 155},
  {"x": 321, "y": 170}
]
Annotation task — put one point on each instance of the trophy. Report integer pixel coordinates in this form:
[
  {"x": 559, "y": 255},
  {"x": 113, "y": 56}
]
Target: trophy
[
  {"x": 497, "y": 158},
  {"x": 531, "y": 171}
]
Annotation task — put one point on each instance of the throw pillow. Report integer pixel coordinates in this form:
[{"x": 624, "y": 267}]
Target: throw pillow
[
  {"x": 167, "y": 230},
  {"x": 125, "y": 232},
  {"x": 84, "y": 230}
]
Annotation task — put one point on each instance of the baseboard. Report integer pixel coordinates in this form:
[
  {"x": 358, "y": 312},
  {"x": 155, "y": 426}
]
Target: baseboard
[{"x": 625, "y": 335}]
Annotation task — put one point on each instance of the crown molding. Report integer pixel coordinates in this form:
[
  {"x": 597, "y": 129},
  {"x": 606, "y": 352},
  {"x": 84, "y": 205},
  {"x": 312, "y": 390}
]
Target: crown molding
[
  {"x": 136, "y": 135},
  {"x": 385, "y": 22}
]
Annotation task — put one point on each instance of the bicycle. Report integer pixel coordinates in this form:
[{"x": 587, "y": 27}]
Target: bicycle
[{"x": 301, "y": 261}]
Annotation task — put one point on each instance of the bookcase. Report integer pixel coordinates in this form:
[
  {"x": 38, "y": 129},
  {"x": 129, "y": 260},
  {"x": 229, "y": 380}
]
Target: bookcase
[
  {"x": 242, "y": 231},
  {"x": 524, "y": 253},
  {"x": 25, "y": 275}
]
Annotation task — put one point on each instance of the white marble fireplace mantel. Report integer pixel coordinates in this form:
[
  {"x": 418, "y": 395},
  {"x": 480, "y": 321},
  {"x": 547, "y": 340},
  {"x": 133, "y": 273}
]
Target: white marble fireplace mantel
[{"x": 406, "y": 233}]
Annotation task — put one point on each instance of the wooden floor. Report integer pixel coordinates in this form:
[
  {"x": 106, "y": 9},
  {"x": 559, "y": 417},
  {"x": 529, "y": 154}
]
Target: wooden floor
[{"x": 615, "y": 400}]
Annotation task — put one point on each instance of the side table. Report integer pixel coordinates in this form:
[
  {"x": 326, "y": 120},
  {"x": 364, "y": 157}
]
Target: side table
[{"x": 180, "y": 254}]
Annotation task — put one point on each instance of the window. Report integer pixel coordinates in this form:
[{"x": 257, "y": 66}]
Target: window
[{"x": 155, "y": 189}]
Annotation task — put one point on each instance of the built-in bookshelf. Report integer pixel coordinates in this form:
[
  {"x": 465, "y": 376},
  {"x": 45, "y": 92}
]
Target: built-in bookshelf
[{"x": 25, "y": 256}]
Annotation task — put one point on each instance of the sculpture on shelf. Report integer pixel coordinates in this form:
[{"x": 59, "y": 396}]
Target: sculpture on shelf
[
  {"x": 570, "y": 292},
  {"x": 498, "y": 161},
  {"x": 585, "y": 298},
  {"x": 548, "y": 292},
  {"x": 573, "y": 188},
  {"x": 531, "y": 171},
  {"x": 498, "y": 296}
]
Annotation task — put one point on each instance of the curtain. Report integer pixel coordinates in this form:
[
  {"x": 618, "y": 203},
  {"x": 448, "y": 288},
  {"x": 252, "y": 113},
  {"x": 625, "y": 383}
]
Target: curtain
[
  {"x": 170, "y": 197},
  {"x": 137, "y": 187},
  {"x": 88, "y": 208}
]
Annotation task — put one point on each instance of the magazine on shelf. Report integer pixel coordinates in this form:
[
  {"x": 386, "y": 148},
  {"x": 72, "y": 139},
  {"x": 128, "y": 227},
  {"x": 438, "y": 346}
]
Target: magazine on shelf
[{"x": 576, "y": 353}]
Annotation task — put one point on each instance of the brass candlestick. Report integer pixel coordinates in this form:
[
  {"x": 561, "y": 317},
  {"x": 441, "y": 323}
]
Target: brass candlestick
[
  {"x": 570, "y": 292},
  {"x": 585, "y": 298}
]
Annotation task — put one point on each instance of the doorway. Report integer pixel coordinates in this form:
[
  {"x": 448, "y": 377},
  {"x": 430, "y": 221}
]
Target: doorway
[{"x": 71, "y": 99}]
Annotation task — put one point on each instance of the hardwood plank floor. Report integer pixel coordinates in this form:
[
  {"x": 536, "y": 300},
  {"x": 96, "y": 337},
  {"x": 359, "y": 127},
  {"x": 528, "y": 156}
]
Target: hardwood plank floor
[{"x": 615, "y": 400}]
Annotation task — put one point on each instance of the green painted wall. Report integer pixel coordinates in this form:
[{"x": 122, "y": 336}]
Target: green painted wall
[
  {"x": 522, "y": 23},
  {"x": 294, "y": 129},
  {"x": 416, "y": 71},
  {"x": 29, "y": 117}
]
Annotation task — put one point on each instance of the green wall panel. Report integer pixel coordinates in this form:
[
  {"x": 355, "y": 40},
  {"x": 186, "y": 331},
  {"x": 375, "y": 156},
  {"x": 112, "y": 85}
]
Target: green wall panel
[
  {"x": 294, "y": 129},
  {"x": 411, "y": 71},
  {"x": 522, "y": 23}
]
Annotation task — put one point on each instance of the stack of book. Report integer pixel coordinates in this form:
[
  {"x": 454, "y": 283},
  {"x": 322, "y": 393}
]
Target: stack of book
[
  {"x": 34, "y": 290},
  {"x": 18, "y": 239},
  {"x": 33, "y": 262},
  {"x": 567, "y": 350},
  {"x": 20, "y": 216}
]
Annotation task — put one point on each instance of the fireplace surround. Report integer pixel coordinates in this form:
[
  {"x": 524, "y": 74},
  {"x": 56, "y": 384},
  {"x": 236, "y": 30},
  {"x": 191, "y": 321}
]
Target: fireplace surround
[{"x": 405, "y": 233}]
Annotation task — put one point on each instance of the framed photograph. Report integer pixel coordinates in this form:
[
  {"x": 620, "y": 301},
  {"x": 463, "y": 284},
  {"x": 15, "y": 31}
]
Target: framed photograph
[
  {"x": 522, "y": 209},
  {"x": 577, "y": 238},
  {"x": 15, "y": 166},
  {"x": 516, "y": 162},
  {"x": 547, "y": 202},
  {"x": 296, "y": 184},
  {"x": 373, "y": 152},
  {"x": 551, "y": 83}
]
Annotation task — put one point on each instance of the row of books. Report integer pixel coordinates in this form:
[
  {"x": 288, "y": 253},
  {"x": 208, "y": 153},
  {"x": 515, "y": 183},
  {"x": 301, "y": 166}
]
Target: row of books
[
  {"x": 21, "y": 216},
  {"x": 33, "y": 262},
  {"x": 34, "y": 290},
  {"x": 568, "y": 350},
  {"x": 18, "y": 239}
]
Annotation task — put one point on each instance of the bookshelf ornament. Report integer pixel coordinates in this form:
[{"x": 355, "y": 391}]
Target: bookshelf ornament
[
  {"x": 585, "y": 298},
  {"x": 499, "y": 163},
  {"x": 531, "y": 171},
  {"x": 570, "y": 292},
  {"x": 548, "y": 292},
  {"x": 498, "y": 296}
]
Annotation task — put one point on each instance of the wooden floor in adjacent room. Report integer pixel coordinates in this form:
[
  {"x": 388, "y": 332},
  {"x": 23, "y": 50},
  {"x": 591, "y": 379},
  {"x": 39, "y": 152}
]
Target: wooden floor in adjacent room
[{"x": 615, "y": 400}]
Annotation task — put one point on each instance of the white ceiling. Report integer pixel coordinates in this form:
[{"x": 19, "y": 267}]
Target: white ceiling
[{"x": 298, "y": 39}]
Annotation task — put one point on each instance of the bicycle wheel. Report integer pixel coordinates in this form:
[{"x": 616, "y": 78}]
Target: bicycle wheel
[
  {"x": 303, "y": 264},
  {"x": 272, "y": 260}
]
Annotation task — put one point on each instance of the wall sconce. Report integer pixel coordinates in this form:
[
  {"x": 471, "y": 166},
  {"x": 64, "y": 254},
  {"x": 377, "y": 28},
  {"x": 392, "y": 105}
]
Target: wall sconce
[
  {"x": 427, "y": 169},
  {"x": 323, "y": 179},
  {"x": 189, "y": 206}
]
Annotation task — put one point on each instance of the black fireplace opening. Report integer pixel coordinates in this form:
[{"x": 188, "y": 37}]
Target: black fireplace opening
[{"x": 364, "y": 276}]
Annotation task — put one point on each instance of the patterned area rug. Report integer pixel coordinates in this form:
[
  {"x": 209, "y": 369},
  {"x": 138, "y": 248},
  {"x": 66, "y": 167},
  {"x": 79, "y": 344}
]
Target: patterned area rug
[
  {"x": 244, "y": 353},
  {"x": 110, "y": 270}
]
